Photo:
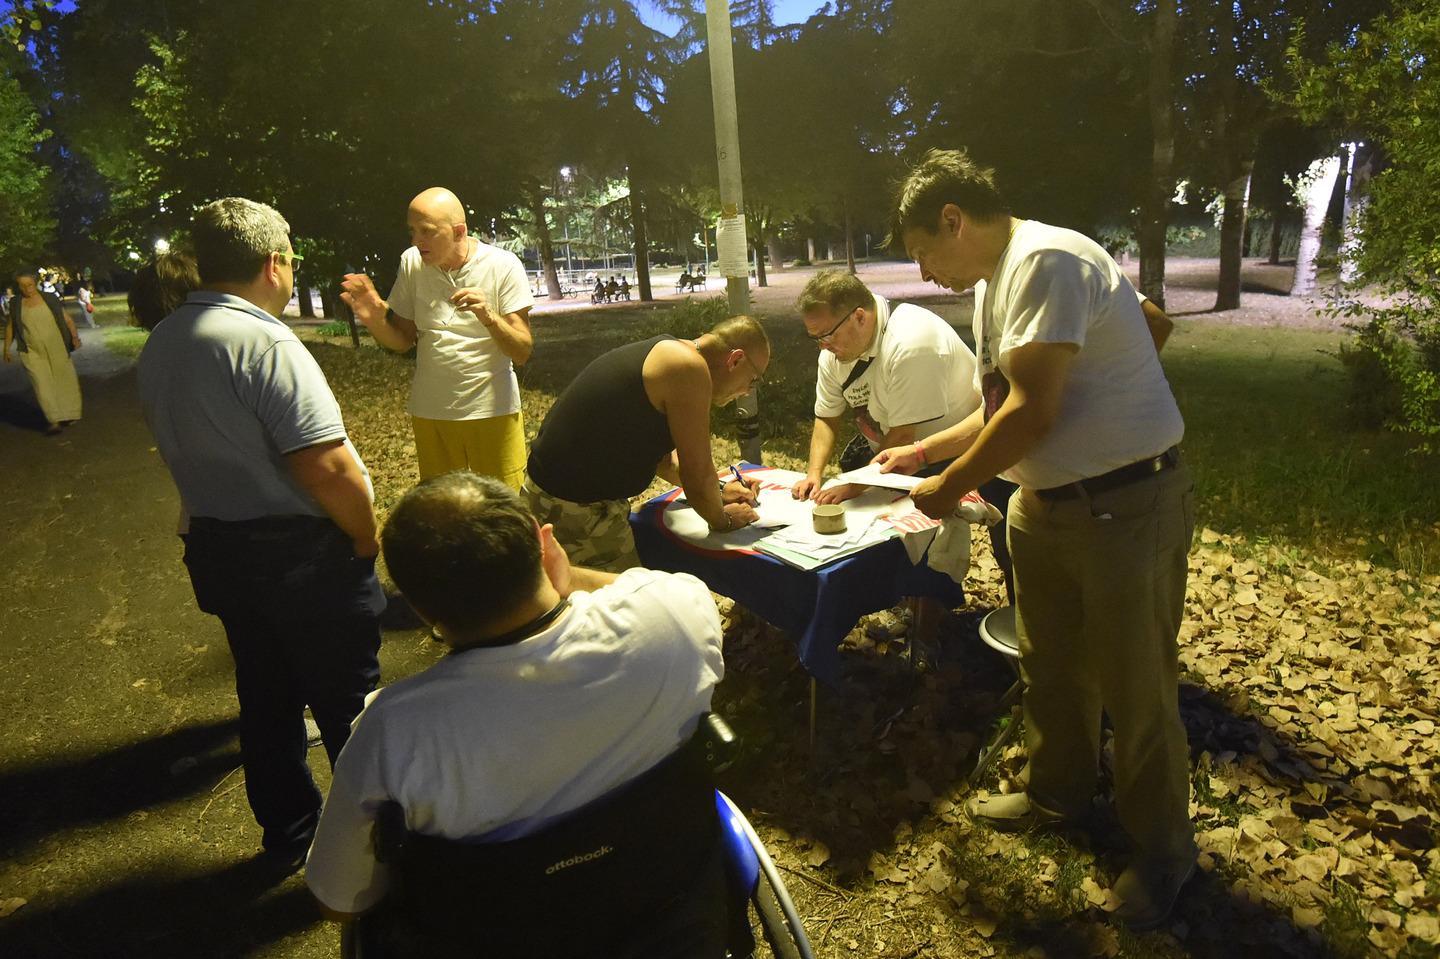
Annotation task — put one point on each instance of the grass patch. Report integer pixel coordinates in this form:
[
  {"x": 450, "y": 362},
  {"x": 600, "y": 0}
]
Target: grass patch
[
  {"x": 1266, "y": 435},
  {"x": 126, "y": 341},
  {"x": 1274, "y": 459}
]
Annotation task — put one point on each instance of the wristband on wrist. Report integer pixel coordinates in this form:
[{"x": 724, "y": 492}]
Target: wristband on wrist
[{"x": 920, "y": 448}]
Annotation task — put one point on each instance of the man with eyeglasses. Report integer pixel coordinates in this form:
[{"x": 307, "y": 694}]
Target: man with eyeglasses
[
  {"x": 902, "y": 372},
  {"x": 464, "y": 307},
  {"x": 637, "y": 412},
  {"x": 279, "y": 528}
]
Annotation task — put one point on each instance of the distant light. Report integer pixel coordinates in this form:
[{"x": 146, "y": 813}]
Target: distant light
[
  {"x": 565, "y": 172},
  {"x": 162, "y": 245},
  {"x": 134, "y": 256}
]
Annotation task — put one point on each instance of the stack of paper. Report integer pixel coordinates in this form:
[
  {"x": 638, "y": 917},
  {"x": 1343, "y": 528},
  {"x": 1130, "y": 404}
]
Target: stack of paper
[{"x": 802, "y": 547}]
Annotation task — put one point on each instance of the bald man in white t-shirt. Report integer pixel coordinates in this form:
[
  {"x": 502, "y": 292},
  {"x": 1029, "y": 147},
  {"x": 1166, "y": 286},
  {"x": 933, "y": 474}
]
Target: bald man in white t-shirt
[{"x": 464, "y": 306}]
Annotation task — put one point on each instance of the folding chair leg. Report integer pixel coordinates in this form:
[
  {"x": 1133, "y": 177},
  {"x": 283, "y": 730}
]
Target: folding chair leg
[{"x": 991, "y": 751}]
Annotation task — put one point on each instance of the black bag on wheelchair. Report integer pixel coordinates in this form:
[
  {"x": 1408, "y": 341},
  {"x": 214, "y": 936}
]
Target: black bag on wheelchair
[{"x": 637, "y": 872}]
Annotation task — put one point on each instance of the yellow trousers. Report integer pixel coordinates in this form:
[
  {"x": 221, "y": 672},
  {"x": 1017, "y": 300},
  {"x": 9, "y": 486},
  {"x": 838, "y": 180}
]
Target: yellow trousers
[{"x": 494, "y": 446}]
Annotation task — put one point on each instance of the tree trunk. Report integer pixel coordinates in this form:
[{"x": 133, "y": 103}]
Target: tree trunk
[
  {"x": 1232, "y": 236},
  {"x": 347, "y": 315},
  {"x": 547, "y": 248},
  {"x": 302, "y": 295},
  {"x": 327, "y": 302},
  {"x": 849, "y": 241},
  {"x": 810, "y": 249},
  {"x": 1274, "y": 259},
  {"x": 759, "y": 249},
  {"x": 642, "y": 255},
  {"x": 777, "y": 255},
  {"x": 1155, "y": 203}
]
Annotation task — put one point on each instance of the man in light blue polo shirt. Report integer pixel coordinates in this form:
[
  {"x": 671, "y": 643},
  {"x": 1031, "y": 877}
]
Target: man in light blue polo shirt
[{"x": 279, "y": 526}]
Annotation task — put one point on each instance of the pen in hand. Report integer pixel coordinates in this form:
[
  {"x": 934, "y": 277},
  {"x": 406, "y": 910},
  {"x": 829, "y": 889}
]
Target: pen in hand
[{"x": 754, "y": 492}]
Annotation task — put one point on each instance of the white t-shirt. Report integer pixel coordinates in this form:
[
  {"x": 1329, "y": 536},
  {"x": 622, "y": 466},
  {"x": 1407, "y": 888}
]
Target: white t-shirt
[
  {"x": 460, "y": 373},
  {"x": 921, "y": 373},
  {"x": 1054, "y": 285},
  {"x": 517, "y": 735}
]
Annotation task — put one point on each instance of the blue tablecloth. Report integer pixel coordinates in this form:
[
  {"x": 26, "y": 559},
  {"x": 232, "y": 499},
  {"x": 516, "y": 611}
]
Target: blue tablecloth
[{"x": 816, "y": 607}]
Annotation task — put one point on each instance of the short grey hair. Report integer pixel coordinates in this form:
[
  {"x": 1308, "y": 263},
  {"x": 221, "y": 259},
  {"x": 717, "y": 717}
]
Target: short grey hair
[
  {"x": 234, "y": 237},
  {"x": 842, "y": 292}
]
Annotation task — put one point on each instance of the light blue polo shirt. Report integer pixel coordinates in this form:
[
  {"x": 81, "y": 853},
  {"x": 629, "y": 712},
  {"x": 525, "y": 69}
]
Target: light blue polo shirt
[{"x": 228, "y": 390}]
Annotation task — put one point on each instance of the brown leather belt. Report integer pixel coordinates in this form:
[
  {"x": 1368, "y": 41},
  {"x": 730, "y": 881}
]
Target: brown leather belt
[{"x": 1124, "y": 475}]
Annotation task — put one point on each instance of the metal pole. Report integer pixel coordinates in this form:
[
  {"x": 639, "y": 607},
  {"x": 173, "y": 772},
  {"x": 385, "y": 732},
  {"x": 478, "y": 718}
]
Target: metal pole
[{"x": 727, "y": 150}]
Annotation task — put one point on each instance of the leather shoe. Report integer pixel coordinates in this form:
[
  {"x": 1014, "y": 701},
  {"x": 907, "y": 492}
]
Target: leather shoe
[
  {"x": 1147, "y": 891},
  {"x": 1013, "y": 812}
]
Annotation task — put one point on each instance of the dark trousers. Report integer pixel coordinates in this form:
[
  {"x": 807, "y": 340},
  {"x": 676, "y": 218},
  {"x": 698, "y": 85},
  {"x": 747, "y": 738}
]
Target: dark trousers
[
  {"x": 997, "y": 493},
  {"x": 301, "y": 615}
]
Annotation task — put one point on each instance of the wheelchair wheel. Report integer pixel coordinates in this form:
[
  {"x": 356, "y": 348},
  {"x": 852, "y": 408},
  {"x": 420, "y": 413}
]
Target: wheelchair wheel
[
  {"x": 773, "y": 924},
  {"x": 760, "y": 886}
]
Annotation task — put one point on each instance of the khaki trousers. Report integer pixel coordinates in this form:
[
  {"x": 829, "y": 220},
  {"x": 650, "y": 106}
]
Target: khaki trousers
[{"x": 1100, "y": 592}]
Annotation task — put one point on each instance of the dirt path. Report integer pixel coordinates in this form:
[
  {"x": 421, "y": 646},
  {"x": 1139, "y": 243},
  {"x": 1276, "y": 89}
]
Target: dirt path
[{"x": 124, "y": 827}]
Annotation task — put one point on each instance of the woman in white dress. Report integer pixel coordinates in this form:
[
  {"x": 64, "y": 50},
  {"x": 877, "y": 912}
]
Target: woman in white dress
[{"x": 44, "y": 335}]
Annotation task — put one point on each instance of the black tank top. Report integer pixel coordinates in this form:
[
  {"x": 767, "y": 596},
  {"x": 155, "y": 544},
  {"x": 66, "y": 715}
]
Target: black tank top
[{"x": 602, "y": 438}]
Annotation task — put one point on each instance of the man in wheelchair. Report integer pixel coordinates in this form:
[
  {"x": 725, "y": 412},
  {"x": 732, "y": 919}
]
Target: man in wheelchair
[{"x": 562, "y": 687}]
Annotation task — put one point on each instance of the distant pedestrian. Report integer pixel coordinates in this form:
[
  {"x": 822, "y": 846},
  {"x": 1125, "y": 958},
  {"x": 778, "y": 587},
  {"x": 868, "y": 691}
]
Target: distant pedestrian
[
  {"x": 45, "y": 336},
  {"x": 84, "y": 297}
]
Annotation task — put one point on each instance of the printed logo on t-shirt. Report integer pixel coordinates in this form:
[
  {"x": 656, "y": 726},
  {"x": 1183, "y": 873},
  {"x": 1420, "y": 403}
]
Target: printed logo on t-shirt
[
  {"x": 867, "y": 426},
  {"x": 994, "y": 387}
]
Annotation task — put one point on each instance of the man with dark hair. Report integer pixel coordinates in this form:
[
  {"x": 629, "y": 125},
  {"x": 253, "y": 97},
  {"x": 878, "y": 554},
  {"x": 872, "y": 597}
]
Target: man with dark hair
[
  {"x": 280, "y": 536},
  {"x": 562, "y": 684},
  {"x": 464, "y": 307},
  {"x": 1078, "y": 413},
  {"x": 160, "y": 287},
  {"x": 637, "y": 412}
]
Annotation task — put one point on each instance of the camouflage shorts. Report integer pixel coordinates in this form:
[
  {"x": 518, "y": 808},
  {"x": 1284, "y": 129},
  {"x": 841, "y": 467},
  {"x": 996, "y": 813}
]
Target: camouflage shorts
[{"x": 596, "y": 535}]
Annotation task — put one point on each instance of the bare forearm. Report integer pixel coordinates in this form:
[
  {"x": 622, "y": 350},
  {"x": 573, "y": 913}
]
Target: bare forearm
[
  {"x": 512, "y": 336},
  {"x": 333, "y": 479},
  {"x": 585, "y": 580},
  {"x": 999, "y": 445},
  {"x": 822, "y": 444},
  {"x": 391, "y": 331},
  {"x": 954, "y": 440},
  {"x": 668, "y": 469},
  {"x": 897, "y": 436},
  {"x": 702, "y": 492}
]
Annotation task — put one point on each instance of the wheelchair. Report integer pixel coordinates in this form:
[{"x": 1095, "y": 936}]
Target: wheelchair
[{"x": 664, "y": 865}]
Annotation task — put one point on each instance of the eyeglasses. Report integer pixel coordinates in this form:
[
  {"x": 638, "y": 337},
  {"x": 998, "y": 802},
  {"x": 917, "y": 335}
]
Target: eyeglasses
[
  {"x": 291, "y": 254},
  {"x": 826, "y": 337},
  {"x": 759, "y": 377}
]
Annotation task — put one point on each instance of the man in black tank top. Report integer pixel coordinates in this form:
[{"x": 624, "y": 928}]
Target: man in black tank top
[{"x": 637, "y": 412}]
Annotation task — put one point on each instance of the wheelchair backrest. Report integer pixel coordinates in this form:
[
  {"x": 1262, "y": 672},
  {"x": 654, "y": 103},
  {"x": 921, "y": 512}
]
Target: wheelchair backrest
[{"x": 582, "y": 881}]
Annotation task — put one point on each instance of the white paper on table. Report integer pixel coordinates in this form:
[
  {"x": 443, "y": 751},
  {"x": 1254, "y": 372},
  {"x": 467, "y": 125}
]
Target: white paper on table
[
  {"x": 870, "y": 475},
  {"x": 779, "y": 507}
]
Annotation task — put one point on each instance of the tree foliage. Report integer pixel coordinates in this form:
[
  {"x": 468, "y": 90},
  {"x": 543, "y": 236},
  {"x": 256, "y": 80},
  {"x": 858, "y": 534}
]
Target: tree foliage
[
  {"x": 1384, "y": 84},
  {"x": 25, "y": 200}
]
